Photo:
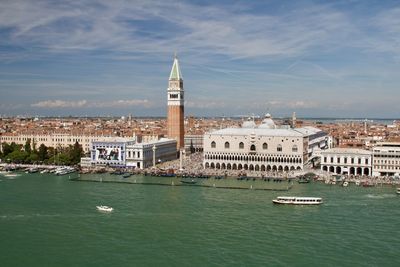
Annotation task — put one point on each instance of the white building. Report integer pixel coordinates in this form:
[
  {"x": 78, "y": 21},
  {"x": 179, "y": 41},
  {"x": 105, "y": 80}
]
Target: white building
[
  {"x": 261, "y": 148},
  {"x": 110, "y": 153},
  {"x": 349, "y": 161},
  {"x": 124, "y": 153},
  {"x": 386, "y": 159},
  {"x": 55, "y": 139},
  {"x": 142, "y": 155}
]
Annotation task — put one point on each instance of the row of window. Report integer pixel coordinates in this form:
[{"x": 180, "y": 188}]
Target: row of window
[
  {"x": 386, "y": 162},
  {"x": 345, "y": 160},
  {"x": 252, "y": 158},
  {"x": 253, "y": 147},
  {"x": 387, "y": 167},
  {"x": 386, "y": 156},
  {"x": 250, "y": 167}
]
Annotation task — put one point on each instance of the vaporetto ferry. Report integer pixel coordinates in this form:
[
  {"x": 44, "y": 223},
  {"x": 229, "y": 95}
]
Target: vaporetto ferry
[{"x": 298, "y": 200}]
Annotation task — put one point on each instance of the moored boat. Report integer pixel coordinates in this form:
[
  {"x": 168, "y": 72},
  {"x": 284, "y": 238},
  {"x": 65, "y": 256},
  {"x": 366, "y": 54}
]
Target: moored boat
[
  {"x": 188, "y": 181},
  {"x": 398, "y": 191},
  {"x": 126, "y": 175},
  {"x": 64, "y": 170},
  {"x": 298, "y": 200},
  {"x": 345, "y": 184}
]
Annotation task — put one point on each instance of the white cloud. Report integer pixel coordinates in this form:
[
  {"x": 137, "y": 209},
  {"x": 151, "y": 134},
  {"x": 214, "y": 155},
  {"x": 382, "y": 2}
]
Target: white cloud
[
  {"x": 51, "y": 104},
  {"x": 118, "y": 26},
  {"x": 205, "y": 104},
  {"x": 121, "y": 103},
  {"x": 59, "y": 104}
]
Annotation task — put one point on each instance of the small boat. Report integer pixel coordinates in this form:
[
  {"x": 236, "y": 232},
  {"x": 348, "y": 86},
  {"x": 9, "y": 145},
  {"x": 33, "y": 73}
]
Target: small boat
[
  {"x": 126, "y": 175},
  {"x": 32, "y": 170},
  {"x": 368, "y": 184},
  {"x": 104, "y": 208},
  {"x": 298, "y": 200},
  {"x": 65, "y": 170},
  {"x": 345, "y": 184},
  {"x": 191, "y": 181},
  {"x": 44, "y": 171},
  {"x": 398, "y": 191},
  {"x": 303, "y": 180}
]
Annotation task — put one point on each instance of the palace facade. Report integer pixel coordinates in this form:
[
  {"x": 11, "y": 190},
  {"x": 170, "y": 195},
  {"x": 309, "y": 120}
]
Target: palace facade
[{"x": 264, "y": 147}]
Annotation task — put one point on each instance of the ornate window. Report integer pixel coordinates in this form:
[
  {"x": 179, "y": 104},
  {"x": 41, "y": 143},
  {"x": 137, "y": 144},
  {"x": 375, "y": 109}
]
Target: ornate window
[
  {"x": 252, "y": 148},
  {"x": 279, "y": 148},
  {"x": 241, "y": 145},
  {"x": 265, "y": 146},
  {"x": 213, "y": 145},
  {"x": 294, "y": 148},
  {"x": 226, "y": 144}
]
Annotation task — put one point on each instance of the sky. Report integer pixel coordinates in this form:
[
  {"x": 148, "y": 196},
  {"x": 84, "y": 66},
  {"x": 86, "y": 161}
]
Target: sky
[{"x": 113, "y": 58}]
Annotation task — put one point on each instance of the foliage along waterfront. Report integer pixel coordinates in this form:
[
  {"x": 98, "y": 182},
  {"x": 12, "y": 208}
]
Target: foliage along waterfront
[{"x": 29, "y": 154}]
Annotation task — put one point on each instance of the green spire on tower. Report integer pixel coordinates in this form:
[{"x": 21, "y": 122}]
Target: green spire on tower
[{"x": 175, "y": 71}]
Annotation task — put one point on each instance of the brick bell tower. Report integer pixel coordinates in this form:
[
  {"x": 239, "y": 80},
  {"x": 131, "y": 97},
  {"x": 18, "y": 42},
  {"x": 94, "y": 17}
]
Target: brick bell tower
[{"x": 175, "y": 118}]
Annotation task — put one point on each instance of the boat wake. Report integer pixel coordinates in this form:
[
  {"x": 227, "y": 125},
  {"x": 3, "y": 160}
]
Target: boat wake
[
  {"x": 11, "y": 175},
  {"x": 39, "y": 215},
  {"x": 383, "y": 196}
]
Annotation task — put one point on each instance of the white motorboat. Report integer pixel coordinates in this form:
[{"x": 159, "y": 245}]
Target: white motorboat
[
  {"x": 64, "y": 170},
  {"x": 345, "y": 184},
  {"x": 104, "y": 208},
  {"x": 398, "y": 191},
  {"x": 298, "y": 200}
]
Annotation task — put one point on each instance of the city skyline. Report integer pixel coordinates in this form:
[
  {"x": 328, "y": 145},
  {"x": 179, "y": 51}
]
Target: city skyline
[{"x": 101, "y": 58}]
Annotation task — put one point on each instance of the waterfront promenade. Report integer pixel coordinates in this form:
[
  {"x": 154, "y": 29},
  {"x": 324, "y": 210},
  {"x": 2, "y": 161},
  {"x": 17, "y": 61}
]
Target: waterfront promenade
[{"x": 192, "y": 168}]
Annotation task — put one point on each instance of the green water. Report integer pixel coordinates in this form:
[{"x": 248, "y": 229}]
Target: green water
[{"x": 50, "y": 221}]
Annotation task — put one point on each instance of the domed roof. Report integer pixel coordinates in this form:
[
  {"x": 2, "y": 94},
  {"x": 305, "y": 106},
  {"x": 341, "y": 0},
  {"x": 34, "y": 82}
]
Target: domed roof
[
  {"x": 249, "y": 124},
  {"x": 267, "y": 122}
]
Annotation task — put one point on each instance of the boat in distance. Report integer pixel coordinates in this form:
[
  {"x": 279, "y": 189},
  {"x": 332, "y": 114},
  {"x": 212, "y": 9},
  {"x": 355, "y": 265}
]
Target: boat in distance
[
  {"x": 298, "y": 200},
  {"x": 398, "y": 191},
  {"x": 104, "y": 208}
]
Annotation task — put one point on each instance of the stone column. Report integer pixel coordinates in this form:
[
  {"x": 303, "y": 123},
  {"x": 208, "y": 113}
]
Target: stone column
[
  {"x": 154, "y": 156},
  {"x": 182, "y": 152}
]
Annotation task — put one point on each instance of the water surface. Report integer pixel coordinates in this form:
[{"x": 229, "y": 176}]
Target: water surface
[{"x": 47, "y": 220}]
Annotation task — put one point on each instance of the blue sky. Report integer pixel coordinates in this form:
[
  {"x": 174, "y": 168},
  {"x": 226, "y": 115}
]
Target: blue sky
[{"x": 318, "y": 58}]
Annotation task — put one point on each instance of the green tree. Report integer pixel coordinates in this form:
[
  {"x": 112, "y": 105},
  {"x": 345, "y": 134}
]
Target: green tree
[
  {"x": 75, "y": 153},
  {"x": 9, "y": 148},
  {"x": 27, "y": 146},
  {"x": 34, "y": 146},
  {"x": 18, "y": 156},
  {"x": 42, "y": 153},
  {"x": 32, "y": 158}
]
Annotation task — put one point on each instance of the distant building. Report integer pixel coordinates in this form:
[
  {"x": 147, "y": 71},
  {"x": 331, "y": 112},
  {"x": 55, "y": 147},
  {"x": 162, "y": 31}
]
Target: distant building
[
  {"x": 54, "y": 139},
  {"x": 140, "y": 155},
  {"x": 128, "y": 153},
  {"x": 383, "y": 160},
  {"x": 175, "y": 118},
  {"x": 110, "y": 153},
  {"x": 386, "y": 156},
  {"x": 194, "y": 143},
  {"x": 264, "y": 147},
  {"x": 347, "y": 161}
]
